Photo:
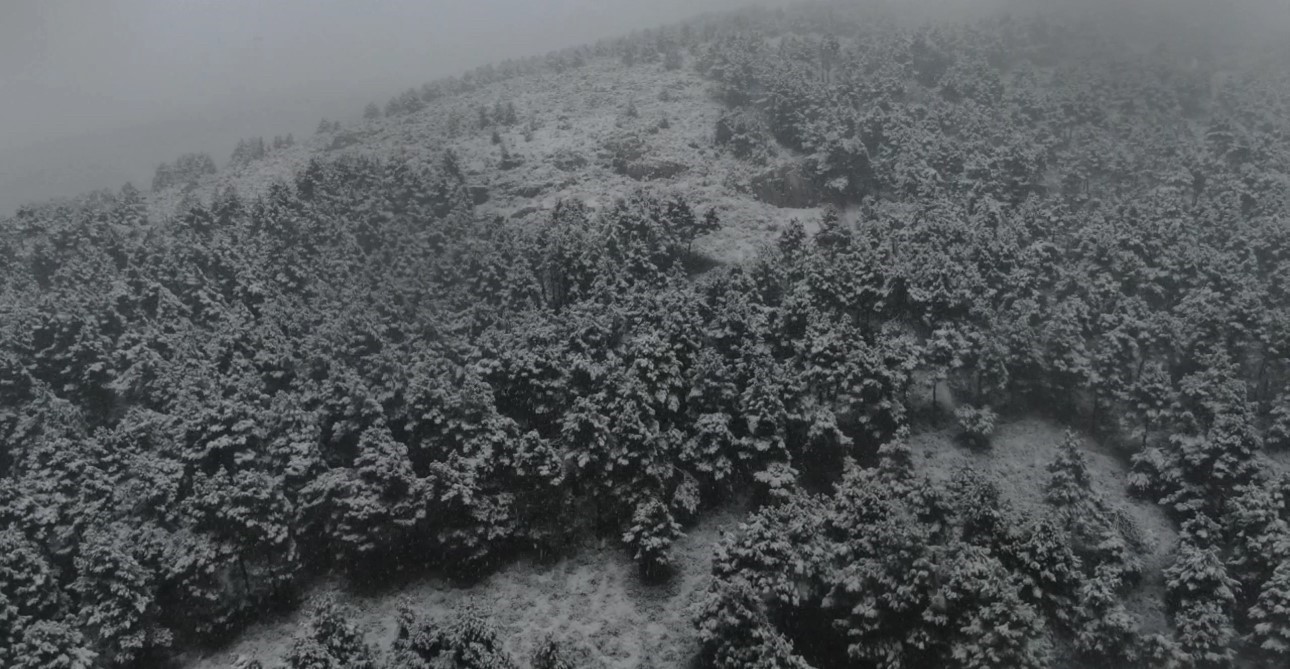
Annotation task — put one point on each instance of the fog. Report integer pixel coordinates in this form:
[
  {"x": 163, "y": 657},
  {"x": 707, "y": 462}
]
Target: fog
[{"x": 97, "y": 92}]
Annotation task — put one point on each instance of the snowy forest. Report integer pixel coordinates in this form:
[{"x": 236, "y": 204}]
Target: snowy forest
[{"x": 437, "y": 341}]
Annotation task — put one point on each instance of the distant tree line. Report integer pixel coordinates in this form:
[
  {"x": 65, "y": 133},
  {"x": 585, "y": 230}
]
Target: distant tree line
[{"x": 186, "y": 171}]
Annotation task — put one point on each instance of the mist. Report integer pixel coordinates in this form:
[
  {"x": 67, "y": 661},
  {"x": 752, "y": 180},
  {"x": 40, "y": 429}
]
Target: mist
[
  {"x": 94, "y": 94},
  {"x": 836, "y": 332}
]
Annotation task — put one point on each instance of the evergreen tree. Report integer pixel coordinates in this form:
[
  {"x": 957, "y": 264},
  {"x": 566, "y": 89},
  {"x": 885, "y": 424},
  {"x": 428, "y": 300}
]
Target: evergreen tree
[
  {"x": 1201, "y": 596},
  {"x": 330, "y": 642},
  {"x": 1271, "y": 614}
]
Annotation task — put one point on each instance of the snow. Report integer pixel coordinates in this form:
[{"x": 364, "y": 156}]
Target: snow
[
  {"x": 1017, "y": 460},
  {"x": 579, "y": 112},
  {"x": 594, "y": 602}
]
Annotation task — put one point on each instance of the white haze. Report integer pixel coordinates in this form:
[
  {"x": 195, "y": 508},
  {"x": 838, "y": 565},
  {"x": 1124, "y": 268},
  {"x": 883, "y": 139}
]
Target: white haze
[{"x": 97, "y": 92}]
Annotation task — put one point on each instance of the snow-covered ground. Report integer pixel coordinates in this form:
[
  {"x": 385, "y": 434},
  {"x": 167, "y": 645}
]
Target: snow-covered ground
[
  {"x": 1018, "y": 459},
  {"x": 567, "y": 124},
  {"x": 593, "y": 602}
]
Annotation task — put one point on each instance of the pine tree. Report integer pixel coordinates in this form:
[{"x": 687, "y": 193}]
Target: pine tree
[
  {"x": 467, "y": 641},
  {"x": 550, "y": 655},
  {"x": 976, "y": 424},
  {"x": 330, "y": 641},
  {"x": 117, "y": 597},
  {"x": 650, "y": 536},
  {"x": 1271, "y": 614},
  {"x": 1201, "y": 596},
  {"x": 27, "y": 580},
  {"x": 52, "y": 645}
]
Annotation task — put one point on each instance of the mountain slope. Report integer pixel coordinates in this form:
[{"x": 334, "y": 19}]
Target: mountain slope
[
  {"x": 518, "y": 312},
  {"x": 569, "y": 126}
]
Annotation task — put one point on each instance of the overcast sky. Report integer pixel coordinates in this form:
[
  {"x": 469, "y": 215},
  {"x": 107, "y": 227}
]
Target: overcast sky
[
  {"x": 75, "y": 66},
  {"x": 104, "y": 89},
  {"x": 69, "y": 67}
]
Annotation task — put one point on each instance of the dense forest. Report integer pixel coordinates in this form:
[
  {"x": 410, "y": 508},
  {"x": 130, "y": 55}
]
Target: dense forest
[{"x": 354, "y": 372}]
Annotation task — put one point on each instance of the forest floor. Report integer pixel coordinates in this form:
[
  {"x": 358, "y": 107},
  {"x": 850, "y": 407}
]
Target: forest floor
[
  {"x": 594, "y": 601},
  {"x": 1018, "y": 458}
]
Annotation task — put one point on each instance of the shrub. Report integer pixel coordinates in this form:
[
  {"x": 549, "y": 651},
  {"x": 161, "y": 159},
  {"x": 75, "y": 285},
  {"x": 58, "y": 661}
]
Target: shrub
[
  {"x": 468, "y": 641},
  {"x": 330, "y": 642},
  {"x": 623, "y": 150},
  {"x": 975, "y": 425},
  {"x": 550, "y": 655},
  {"x": 567, "y": 160},
  {"x": 650, "y": 536},
  {"x": 51, "y": 645},
  {"x": 673, "y": 60},
  {"x": 1271, "y": 615},
  {"x": 744, "y": 134},
  {"x": 1201, "y": 595},
  {"x": 509, "y": 160}
]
